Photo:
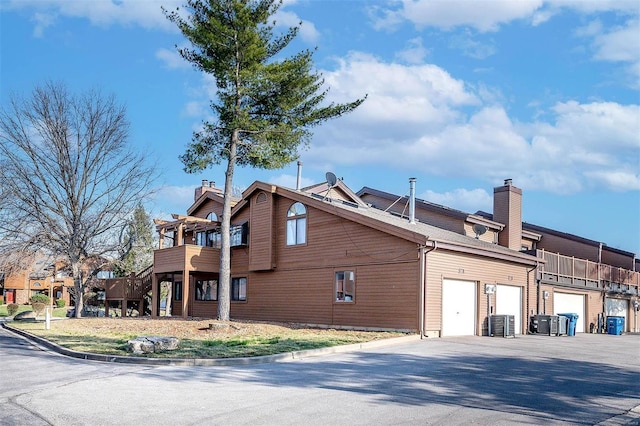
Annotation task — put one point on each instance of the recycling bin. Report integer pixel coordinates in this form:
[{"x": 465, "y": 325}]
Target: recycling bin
[
  {"x": 572, "y": 321},
  {"x": 615, "y": 325}
]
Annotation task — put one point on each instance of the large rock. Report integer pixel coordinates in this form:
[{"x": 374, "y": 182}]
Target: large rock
[
  {"x": 25, "y": 315},
  {"x": 150, "y": 344}
]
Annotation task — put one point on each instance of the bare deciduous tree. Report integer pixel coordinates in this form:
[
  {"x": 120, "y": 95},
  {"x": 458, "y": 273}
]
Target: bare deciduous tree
[{"x": 69, "y": 178}]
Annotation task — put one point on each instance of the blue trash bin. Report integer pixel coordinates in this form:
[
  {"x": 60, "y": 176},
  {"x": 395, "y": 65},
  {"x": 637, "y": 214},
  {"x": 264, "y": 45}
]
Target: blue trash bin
[
  {"x": 615, "y": 325},
  {"x": 571, "y": 326}
]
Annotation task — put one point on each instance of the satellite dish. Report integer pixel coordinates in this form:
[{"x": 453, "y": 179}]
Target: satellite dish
[
  {"x": 479, "y": 229},
  {"x": 331, "y": 179}
]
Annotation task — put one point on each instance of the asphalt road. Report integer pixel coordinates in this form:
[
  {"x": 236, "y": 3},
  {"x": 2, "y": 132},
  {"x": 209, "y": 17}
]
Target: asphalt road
[{"x": 587, "y": 379}]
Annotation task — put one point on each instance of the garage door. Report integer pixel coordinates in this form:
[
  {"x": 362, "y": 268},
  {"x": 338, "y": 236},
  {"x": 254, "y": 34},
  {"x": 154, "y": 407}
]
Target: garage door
[
  {"x": 564, "y": 303},
  {"x": 618, "y": 308},
  {"x": 458, "y": 308},
  {"x": 509, "y": 302}
]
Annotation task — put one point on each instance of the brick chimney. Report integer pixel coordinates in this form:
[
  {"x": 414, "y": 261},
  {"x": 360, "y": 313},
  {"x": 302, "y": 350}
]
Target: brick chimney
[
  {"x": 507, "y": 209},
  {"x": 206, "y": 186}
]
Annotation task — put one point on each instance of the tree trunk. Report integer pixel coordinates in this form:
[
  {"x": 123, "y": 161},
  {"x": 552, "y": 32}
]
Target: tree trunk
[
  {"x": 167, "y": 306},
  {"x": 224, "y": 279},
  {"x": 78, "y": 299}
]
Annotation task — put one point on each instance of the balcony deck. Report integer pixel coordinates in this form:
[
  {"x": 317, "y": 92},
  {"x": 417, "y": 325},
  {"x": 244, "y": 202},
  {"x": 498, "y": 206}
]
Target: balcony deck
[
  {"x": 196, "y": 258},
  {"x": 582, "y": 273}
]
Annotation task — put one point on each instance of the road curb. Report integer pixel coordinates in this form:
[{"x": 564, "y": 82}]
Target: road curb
[{"x": 192, "y": 362}]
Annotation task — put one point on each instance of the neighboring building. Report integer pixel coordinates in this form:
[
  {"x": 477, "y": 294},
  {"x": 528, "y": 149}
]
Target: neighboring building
[
  {"x": 37, "y": 275},
  {"x": 575, "y": 275},
  {"x": 40, "y": 274},
  {"x": 321, "y": 256}
]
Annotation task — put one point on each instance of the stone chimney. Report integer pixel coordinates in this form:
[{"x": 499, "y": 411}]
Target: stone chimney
[{"x": 507, "y": 209}]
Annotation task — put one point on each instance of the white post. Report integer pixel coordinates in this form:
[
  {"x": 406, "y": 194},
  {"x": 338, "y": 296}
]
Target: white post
[{"x": 47, "y": 318}]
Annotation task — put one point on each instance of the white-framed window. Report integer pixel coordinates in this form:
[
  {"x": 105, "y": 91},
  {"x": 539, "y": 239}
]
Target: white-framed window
[
  {"x": 207, "y": 290},
  {"x": 212, "y": 216},
  {"x": 345, "y": 286},
  {"x": 296, "y": 224},
  {"x": 239, "y": 289}
]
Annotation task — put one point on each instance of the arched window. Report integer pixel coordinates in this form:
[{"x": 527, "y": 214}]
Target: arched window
[
  {"x": 212, "y": 216},
  {"x": 296, "y": 224}
]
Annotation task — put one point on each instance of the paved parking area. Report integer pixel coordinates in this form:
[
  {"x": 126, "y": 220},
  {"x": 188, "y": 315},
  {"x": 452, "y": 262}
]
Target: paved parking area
[{"x": 586, "y": 379}]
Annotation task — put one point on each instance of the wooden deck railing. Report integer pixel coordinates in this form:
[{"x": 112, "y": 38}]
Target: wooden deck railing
[
  {"x": 585, "y": 273},
  {"x": 131, "y": 287}
]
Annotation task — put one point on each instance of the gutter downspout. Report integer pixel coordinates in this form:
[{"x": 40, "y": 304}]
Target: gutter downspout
[
  {"x": 537, "y": 293},
  {"x": 423, "y": 283}
]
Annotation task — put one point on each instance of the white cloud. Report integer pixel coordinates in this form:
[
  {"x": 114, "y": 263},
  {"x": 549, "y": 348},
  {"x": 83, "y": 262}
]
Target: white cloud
[
  {"x": 461, "y": 199},
  {"x": 290, "y": 181},
  {"x": 488, "y": 15},
  {"x": 616, "y": 180},
  {"x": 471, "y": 47},
  {"x": 484, "y": 15},
  {"x": 621, "y": 44},
  {"x": 146, "y": 14},
  {"x": 307, "y": 32},
  {"x": 43, "y": 21},
  {"x": 172, "y": 59},
  {"x": 173, "y": 199},
  {"x": 421, "y": 118},
  {"x": 414, "y": 53}
]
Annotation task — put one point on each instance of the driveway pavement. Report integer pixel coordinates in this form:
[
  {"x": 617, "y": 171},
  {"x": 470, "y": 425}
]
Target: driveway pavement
[{"x": 472, "y": 380}]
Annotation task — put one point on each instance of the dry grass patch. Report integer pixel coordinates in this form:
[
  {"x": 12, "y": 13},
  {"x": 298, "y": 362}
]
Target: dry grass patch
[{"x": 199, "y": 338}]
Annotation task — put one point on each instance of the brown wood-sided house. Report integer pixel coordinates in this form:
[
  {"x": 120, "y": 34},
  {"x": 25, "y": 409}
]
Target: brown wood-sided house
[
  {"x": 325, "y": 256},
  {"x": 36, "y": 274},
  {"x": 574, "y": 275}
]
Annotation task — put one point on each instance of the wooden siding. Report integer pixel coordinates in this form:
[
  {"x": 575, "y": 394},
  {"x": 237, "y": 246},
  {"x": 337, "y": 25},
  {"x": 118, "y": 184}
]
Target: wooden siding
[
  {"x": 207, "y": 207},
  {"x": 489, "y": 236},
  {"x": 568, "y": 247},
  {"x": 617, "y": 259},
  {"x": 172, "y": 259},
  {"x": 17, "y": 281},
  {"x": 301, "y": 287},
  {"x": 261, "y": 233},
  {"x": 443, "y": 264}
]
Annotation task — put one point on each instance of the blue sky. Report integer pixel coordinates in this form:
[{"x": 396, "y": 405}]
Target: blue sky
[{"x": 461, "y": 95}]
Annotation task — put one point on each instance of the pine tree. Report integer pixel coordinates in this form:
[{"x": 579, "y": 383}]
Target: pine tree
[{"x": 266, "y": 104}]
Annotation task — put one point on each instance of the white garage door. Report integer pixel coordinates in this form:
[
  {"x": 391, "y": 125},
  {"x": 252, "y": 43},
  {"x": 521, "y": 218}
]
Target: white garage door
[
  {"x": 509, "y": 302},
  {"x": 565, "y": 303},
  {"x": 458, "y": 308},
  {"x": 618, "y": 308}
]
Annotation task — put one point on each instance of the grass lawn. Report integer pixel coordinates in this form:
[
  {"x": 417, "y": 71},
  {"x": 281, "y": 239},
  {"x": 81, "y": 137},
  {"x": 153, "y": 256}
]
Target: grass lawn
[{"x": 199, "y": 338}]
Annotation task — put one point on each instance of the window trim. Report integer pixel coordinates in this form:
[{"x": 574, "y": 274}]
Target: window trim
[{"x": 295, "y": 218}]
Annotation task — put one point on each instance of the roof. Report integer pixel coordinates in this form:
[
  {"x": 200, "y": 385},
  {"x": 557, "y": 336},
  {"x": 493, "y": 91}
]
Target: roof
[
  {"x": 537, "y": 229},
  {"x": 420, "y": 233},
  {"x": 216, "y": 195},
  {"x": 438, "y": 208}
]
